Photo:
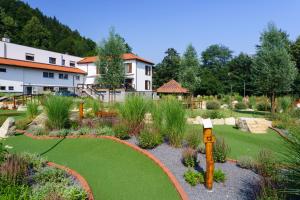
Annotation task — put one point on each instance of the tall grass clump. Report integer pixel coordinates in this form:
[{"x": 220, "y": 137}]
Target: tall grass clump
[
  {"x": 32, "y": 109},
  {"x": 58, "y": 111},
  {"x": 133, "y": 112},
  {"x": 94, "y": 104},
  {"x": 285, "y": 103},
  {"x": 174, "y": 121}
]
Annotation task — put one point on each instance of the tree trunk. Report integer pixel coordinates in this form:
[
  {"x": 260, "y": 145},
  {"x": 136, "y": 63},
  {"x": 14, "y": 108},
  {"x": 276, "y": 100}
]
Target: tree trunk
[{"x": 273, "y": 106}]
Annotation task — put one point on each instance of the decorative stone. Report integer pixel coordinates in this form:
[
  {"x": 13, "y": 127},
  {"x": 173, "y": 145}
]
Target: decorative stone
[
  {"x": 224, "y": 106},
  {"x": 218, "y": 121},
  {"x": 230, "y": 121},
  {"x": 22, "y": 108},
  {"x": 5, "y": 128},
  {"x": 253, "y": 125}
]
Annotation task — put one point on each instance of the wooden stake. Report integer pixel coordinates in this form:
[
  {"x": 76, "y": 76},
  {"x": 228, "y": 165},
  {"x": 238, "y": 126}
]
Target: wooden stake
[
  {"x": 209, "y": 139},
  {"x": 81, "y": 110},
  {"x": 14, "y": 107}
]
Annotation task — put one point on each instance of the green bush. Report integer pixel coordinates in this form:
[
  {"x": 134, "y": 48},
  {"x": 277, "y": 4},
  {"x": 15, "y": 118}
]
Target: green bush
[
  {"x": 213, "y": 114},
  {"x": 51, "y": 174},
  {"x": 14, "y": 192},
  {"x": 32, "y": 109},
  {"x": 58, "y": 111},
  {"x": 266, "y": 164},
  {"x": 149, "y": 138},
  {"x": 133, "y": 112},
  {"x": 36, "y": 162},
  {"x": 220, "y": 151},
  {"x": 38, "y": 131},
  {"x": 285, "y": 103},
  {"x": 105, "y": 130},
  {"x": 174, "y": 121},
  {"x": 252, "y": 102},
  {"x": 94, "y": 104},
  {"x": 84, "y": 130},
  {"x": 219, "y": 176},
  {"x": 246, "y": 162},
  {"x": 212, "y": 105},
  {"x": 296, "y": 113},
  {"x": 60, "y": 133},
  {"x": 263, "y": 106},
  {"x": 121, "y": 131},
  {"x": 22, "y": 124},
  {"x": 202, "y": 148},
  {"x": 240, "y": 106},
  {"x": 189, "y": 157},
  {"x": 193, "y": 138},
  {"x": 193, "y": 178}
]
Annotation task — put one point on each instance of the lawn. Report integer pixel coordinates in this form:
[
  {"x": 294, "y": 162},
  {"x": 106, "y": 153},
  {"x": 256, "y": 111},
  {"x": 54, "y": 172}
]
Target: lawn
[
  {"x": 245, "y": 143},
  {"x": 113, "y": 170},
  {"x": 4, "y": 114},
  {"x": 229, "y": 113}
]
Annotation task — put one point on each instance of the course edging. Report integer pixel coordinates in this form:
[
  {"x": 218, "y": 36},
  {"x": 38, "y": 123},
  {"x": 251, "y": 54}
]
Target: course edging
[
  {"x": 172, "y": 178},
  {"x": 80, "y": 178}
]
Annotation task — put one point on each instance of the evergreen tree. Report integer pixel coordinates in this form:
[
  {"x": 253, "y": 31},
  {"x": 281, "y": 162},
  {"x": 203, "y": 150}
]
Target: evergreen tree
[
  {"x": 274, "y": 70},
  {"x": 34, "y": 34},
  {"x": 110, "y": 62},
  {"x": 168, "y": 69},
  {"x": 216, "y": 56}
]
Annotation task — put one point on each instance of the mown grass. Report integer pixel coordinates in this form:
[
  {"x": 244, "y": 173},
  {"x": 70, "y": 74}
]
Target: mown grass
[
  {"x": 245, "y": 143},
  {"x": 114, "y": 171}
]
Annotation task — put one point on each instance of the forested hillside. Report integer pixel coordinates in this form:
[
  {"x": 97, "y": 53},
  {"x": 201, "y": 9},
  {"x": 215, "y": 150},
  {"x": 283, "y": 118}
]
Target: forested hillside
[{"x": 27, "y": 26}]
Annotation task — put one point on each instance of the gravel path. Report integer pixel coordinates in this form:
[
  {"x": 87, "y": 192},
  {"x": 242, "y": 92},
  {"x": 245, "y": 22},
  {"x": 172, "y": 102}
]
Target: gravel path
[{"x": 239, "y": 185}]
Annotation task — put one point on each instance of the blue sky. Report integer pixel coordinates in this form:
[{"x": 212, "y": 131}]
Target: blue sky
[{"x": 152, "y": 26}]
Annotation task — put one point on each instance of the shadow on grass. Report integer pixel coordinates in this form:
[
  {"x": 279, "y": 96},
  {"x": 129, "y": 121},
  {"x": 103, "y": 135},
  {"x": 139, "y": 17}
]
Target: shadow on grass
[
  {"x": 262, "y": 113},
  {"x": 52, "y": 147}
]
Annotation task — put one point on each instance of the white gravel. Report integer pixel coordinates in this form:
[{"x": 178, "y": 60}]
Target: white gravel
[{"x": 240, "y": 183}]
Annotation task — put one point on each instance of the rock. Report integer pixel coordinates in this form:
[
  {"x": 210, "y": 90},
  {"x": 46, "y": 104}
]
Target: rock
[
  {"x": 190, "y": 120},
  {"x": 230, "y": 121},
  {"x": 5, "y": 128},
  {"x": 218, "y": 121},
  {"x": 198, "y": 119},
  {"x": 253, "y": 125},
  {"x": 224, "y": 106},
  {"x": 38, "y": 122},
  {"x": 22, "y": 108}
]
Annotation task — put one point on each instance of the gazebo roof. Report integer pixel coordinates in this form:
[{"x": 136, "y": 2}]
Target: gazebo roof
[{"x": 172, "y": 87}]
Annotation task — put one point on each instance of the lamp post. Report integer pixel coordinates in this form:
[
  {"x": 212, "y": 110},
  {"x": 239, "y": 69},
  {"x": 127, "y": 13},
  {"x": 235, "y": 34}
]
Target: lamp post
[{"x": 208, "y": 139}]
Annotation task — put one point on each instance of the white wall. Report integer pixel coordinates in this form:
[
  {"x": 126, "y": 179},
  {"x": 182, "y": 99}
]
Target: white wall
[
  {"x": 18, "y": 52},
  {"x": 17, "y": 77},
  {"x": 90, "y": 68},
  {"x": 142, "y": 77}
]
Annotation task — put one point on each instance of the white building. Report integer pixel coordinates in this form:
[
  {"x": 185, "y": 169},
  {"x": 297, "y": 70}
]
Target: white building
[{"x": 30, "y": 70}]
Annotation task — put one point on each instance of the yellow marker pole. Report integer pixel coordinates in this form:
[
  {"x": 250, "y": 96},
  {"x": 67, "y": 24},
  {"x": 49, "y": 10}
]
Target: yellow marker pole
[
  {"x": 208, "y": 139},
  {"x": 81, "y": 111}
]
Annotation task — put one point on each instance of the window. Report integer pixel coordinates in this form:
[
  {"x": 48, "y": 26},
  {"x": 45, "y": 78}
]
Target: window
[
  {"x": 148, "y": 70},
  {"x": 128, "y": 67},
  {"x": 52, "y": 60},
  {"x": 147, "y": 85},
  {"x": 2, "y": 88},
  {"x": 63, "y": 62},
  {"x": 48, "y": 89},
  {"x": 2, "y": 69},
  {"x": 77, "y": 77},
  {"x": 48, "y": 74},
  {"x": 10, "y": 87},
  {"x": 72, "y": 63},
  {"x": 63, "y": 76},
  {"x": 29, "y": 56}
]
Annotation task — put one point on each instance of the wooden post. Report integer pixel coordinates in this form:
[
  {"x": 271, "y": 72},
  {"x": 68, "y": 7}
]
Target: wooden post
[
  {"x": 14, "y": 107},
  {"x": 208, "y": 139},
  {"x": 23, "y": 100},
  {"x": 81, "y": 111}
]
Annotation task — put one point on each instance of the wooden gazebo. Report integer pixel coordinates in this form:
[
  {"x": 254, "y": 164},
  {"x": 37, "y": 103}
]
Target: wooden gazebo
[{"x": 172, "y": 87}]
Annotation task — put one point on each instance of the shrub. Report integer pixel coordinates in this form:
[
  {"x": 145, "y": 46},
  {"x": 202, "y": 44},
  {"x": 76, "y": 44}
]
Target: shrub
[
  {"x": 38, "y": 131},
  {"x": 22, "y": 123},
  {"x": 14, "y": 169},
  {"x": 220, "y": 151},
  {"x": 149, "y": 138},
  {"x": 266, "y": 165},
  {"x": 240, "y": 106},
  {"x": 296, "y": 113},
  {"x": 121, "y": 131},
  {"x": 189, "y": 157},
  {"x": 106, "y": 130},
  {"x": 252, "y": 102},
  {"x": 14, "y": 192},
  {"x": 60, "y": 133},
  {"x": 35, "y": 161},
  {"x": 246, "y": 162},
  {"x": 53, "y": 175},
  {"x": 285, "y": 103},
  {"x": 219, "y": 176},
  {"x": 193, "y": 178},
  {"x": 202, "y": 148},
  {"x": 212, "y": 105},
  {"x": 94, "y": 104},
  {"x": 133, "y": 112},
  {"x": 58, "y": 111},
  {"x": 213, "y": 114},
  {"x": 32, "y": 109},
  {"x": 193, "y": 138},
  {"x": 84, "y": 130},
  {"x": 263, "y": 106},
  {"x": 174, "y": 121}
]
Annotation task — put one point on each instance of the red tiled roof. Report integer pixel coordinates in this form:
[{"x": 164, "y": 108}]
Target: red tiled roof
[
  {"x": 172, "y": 87},
  {"x": 35, "y": 65},
  {"x": 126, "y": 56}
]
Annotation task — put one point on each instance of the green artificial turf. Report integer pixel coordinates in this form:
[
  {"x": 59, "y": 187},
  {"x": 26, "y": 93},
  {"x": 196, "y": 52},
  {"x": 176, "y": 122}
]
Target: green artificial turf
[
  {"x": 113, "y": 170},
  {"x": 245, "y": 143},
  {"x": 229, "y": 113}
]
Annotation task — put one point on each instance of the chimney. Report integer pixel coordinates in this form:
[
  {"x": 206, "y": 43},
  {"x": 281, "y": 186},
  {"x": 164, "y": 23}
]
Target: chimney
[{"x": 6, "y": 39}]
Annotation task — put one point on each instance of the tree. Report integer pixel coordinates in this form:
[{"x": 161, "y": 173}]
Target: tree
[
  {"x": 168, "y": 69},
  {"x": 240, "y": 74},
  {"x": 189, "y": 73},
  {"x": 35, "y": 34},
  {"x": 216, "y": 56},
  {"x": 274, "y": 71},
  {"x": 127, "y": 46},
  {"x": 110, "y": 62}
]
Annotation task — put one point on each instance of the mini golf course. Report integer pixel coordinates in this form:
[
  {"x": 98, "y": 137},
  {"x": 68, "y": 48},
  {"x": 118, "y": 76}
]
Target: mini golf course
[{"x": 114, "y": 171}]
